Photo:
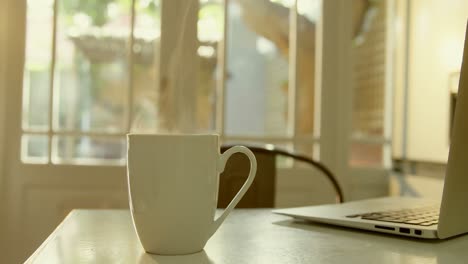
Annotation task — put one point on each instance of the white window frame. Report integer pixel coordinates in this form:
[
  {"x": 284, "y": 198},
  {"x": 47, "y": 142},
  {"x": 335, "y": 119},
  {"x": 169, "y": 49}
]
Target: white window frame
[
  {"x": 332, "y": 117},
  {"x": 170, "y": 39}
]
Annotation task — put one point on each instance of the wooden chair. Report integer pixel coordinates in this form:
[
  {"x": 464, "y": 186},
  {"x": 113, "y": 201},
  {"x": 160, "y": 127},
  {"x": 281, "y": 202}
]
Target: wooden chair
[{"x": 262, "y": 194}]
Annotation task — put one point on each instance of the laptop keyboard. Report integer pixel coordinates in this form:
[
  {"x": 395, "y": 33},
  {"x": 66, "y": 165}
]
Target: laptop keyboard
[{"x": 424, "y": 216}]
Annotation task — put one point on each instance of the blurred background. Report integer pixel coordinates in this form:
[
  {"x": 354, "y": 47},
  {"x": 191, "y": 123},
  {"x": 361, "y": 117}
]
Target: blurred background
[{"x": 367, "y": 87}]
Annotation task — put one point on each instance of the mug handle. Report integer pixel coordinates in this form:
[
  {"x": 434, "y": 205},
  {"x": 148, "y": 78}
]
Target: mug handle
[{"x": 221, "y": 165}]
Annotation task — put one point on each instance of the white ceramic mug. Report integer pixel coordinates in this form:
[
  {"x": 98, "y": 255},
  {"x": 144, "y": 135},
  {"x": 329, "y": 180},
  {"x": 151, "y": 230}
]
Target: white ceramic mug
[{"x": 173, "y": 189}]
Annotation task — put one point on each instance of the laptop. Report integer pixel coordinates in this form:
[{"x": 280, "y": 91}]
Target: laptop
[{"x": 412, "y": 217}]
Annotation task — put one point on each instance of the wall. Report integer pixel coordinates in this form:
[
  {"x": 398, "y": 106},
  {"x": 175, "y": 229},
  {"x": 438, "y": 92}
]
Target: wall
[
  {"x": 420, "y": 186},
  {"x": 437, "y": 30},
  {"x": 399, "y": 79},
  {"x": 302, "y": 186},
  {"x": 3, "y": 27}
]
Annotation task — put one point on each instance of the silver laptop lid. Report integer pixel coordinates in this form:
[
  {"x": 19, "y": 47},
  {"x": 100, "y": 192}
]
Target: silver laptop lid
[{"x": 453, "y": 213}]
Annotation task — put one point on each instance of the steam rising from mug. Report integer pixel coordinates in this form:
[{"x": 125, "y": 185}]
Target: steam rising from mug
[{"x": 172, "y": 102}]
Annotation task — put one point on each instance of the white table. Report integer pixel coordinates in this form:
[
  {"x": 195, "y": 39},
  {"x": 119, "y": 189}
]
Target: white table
[{"x": 247, "y": 236}]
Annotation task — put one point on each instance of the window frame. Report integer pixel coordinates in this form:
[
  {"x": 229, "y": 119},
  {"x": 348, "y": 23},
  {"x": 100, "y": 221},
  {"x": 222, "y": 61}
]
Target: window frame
[
  {"x": 169, "y": 18},
  {"x": 332, "y": 115}
]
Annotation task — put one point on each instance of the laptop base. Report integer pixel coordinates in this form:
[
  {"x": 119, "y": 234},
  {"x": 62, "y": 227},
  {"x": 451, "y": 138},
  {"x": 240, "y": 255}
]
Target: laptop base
[{"x": 337, "y": 214}]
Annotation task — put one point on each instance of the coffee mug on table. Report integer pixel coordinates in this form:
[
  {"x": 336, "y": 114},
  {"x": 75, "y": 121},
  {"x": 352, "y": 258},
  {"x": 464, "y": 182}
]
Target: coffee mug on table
[{"x": 173, "y": 189}]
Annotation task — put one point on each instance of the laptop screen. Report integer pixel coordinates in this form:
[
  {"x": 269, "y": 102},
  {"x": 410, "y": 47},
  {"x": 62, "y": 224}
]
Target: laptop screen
[{"x": 453, "y": 214}]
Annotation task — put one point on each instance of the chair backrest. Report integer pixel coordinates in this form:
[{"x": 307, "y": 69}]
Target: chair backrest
[{"x": 263, "y": 190}]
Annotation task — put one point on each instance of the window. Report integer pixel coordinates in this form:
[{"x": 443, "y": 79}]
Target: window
[
  {"x": 93, "y": 73},
  {"x": 245, "y": 69}
]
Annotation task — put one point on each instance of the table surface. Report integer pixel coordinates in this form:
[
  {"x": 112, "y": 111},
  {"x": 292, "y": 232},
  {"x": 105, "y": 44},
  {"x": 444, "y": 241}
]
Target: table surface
[{"x": 247, "y": 236}]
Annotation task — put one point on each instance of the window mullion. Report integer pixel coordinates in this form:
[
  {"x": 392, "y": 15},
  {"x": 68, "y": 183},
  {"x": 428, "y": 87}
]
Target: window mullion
[
  {"x": 221, "y": 85},
  {"x": 130, "y": 61},
  {"x": 293, "y": 67},
  {"x": 77, "y": 133},
  {"x": 51, "y": 81},
  {"x": 389, "y": 85},
  {"x": 268, "y": 139}
]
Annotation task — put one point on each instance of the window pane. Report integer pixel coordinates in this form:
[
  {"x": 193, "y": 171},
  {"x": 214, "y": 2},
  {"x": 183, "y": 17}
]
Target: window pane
[
  {"x": 159, "y": 107},
  {"x": 369, "y": 72},
  {"x": 146, "y": 48},
  {"x": 88, "y": 150},
  {"x": 304, "y": 148},
  {"x": 210, "y": 34},
  {"x": 308, "y": 15},
  {"x": 91, "y": 71},
  {"x": 281, "y": 161},
  {"x": 257, "y": 68},
  {"x": 369, "y": 83},
  {"x": 37, "y": 64},
  {"x": 35, "y": 149},
  {"x": 366, "y": 155}
]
